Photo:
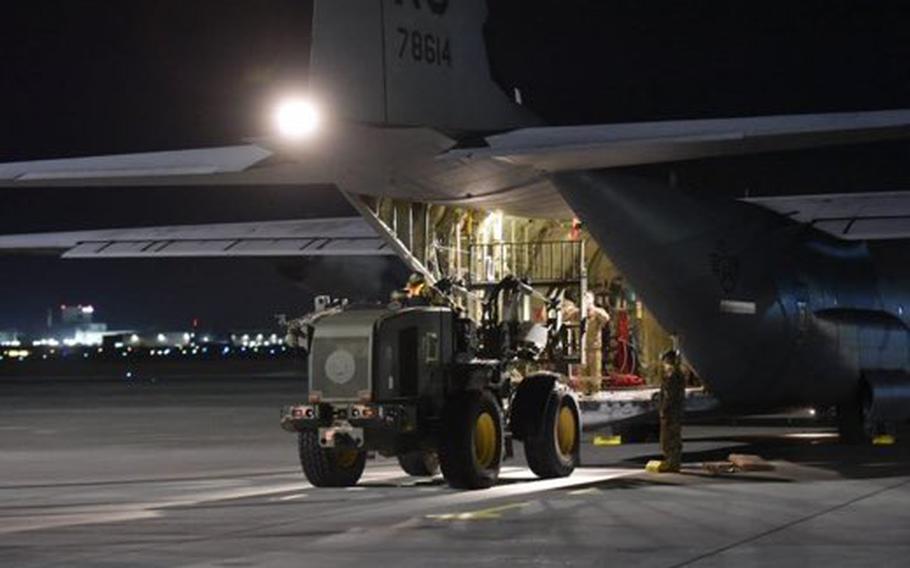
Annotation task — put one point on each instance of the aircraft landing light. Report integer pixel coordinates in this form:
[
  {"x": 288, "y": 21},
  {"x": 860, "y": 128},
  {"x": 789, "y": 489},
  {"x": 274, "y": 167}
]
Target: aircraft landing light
[{"x": 297, "y": 118}]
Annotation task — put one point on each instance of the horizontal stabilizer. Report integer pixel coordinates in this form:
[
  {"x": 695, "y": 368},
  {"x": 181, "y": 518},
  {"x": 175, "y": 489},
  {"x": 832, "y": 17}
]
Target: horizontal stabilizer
[
  {"x": 346, "y": 236},
  {"x": 570, "y": 148},
  {"x": 848, "y": 216},
  {"x": 200, "y": 162}
]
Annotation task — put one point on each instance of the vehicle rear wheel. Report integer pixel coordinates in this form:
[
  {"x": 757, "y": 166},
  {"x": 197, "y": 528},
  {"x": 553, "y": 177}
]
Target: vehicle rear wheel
[
  {"x": 553, "y": 450},
  {"x": 329, "y": 467},
  {"x": 420, "y": 463},
  {"x": 472, "y": 446}
]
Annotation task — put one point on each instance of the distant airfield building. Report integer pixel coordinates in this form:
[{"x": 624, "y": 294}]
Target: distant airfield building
[
  {"x": 75, "y": 325},
  {"x": 10, "y": 338}
]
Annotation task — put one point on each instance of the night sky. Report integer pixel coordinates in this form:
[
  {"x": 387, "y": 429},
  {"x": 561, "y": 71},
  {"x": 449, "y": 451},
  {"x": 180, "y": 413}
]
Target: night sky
[{"x": 85, "y": 77}]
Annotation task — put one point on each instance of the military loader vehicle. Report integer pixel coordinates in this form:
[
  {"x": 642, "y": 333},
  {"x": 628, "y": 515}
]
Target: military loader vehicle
[{"x": 428, "y": 385}]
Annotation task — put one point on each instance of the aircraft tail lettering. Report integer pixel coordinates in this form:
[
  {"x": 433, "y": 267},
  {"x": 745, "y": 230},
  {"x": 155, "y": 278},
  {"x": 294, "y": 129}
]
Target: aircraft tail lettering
[{"x": 409, "y": 63}]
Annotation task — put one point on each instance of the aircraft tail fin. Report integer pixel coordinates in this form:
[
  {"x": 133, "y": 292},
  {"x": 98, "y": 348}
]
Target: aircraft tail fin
[{"x": 409, "y": 63}]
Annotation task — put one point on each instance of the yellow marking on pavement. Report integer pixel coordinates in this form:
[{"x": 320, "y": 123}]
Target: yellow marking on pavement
[
  {"x": 588, "y": 491},
  {"x": 607, "y": 440},
  {"x": 479, "y": 515},
  {"x": 883, "y": 440}
]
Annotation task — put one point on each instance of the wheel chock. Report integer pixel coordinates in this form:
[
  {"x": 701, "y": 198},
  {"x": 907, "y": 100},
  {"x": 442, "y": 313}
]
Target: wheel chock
[
  {"x": 884, "y": 440},
  {"x": 654, "y": 466},
  {"x": 659, "y": 466}
]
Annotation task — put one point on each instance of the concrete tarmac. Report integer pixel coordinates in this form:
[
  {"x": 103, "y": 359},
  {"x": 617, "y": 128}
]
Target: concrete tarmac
[{"x": 198, "y": 473}]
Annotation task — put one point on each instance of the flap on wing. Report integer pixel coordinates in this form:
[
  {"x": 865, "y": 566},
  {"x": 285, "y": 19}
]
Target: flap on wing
[
  {"x": 849, "y": 216},
  {"x": 346, "y": 236},
  {"x": 556, "y": 149}
]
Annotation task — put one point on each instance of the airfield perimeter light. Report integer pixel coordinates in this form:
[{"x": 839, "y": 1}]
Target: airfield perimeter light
[{"x": 297, "y": 118}]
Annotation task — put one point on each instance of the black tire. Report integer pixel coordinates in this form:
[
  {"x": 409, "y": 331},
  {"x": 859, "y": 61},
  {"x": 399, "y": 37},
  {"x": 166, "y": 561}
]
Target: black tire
[
  {"x": 420, "y": 463},
  {"x": 554, "y": 450},
  {"x": 328, "y": 467},
  {"x": 471, "y": 448},
  {"x": 856, "y": 423}
]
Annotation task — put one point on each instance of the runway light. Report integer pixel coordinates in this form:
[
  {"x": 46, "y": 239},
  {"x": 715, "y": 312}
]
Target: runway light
[{"x": 297, "y": 118}]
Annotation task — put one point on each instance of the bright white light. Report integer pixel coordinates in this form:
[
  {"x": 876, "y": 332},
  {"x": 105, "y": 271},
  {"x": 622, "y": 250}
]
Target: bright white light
[
  {"x": 297, "y": 118},
  {"x": 88, "y": 310},
  {"x": 492, "y": 226}
]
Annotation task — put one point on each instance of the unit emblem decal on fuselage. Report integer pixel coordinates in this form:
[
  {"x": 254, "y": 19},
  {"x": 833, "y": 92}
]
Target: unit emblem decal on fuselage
[{"x": 725, "y": 267}]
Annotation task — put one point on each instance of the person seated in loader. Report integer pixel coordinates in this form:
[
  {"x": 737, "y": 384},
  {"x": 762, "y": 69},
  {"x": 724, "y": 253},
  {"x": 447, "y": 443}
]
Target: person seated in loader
[{"x": 418, "y": 292}]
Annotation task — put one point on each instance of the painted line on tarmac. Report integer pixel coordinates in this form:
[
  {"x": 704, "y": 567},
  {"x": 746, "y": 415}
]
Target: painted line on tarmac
[
  {"x": 438, "y": 504},
  {"x": 582, "y": 476},
  {"x": 449, "y": 505},
  {"x": 291, "y": 497},
  {"x": 481, "y": 514},
  {"x": 132, "y": 511}
]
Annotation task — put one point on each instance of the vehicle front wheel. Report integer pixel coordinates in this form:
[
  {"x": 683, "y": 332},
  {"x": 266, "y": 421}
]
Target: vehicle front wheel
[
  {"x": 329, "y": 467},
  {"x": 472, "y": 446}
]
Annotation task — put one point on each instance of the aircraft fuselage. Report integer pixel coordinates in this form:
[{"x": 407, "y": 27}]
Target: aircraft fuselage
[{"x": 769, "y": 312}]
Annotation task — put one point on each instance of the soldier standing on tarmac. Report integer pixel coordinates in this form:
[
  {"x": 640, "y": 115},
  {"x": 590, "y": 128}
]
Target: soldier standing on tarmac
[{"x": 672, "y": 405}]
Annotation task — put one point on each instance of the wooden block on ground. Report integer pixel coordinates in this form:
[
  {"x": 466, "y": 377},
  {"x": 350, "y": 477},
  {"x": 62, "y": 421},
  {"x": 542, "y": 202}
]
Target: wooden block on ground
[
  {"x": 718, "y": 467},
  {"x": 748, "y": 462}
]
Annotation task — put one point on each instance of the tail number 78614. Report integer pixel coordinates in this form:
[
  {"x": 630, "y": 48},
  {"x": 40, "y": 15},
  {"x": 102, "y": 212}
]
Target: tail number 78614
[{"x": 424, "y": 47}]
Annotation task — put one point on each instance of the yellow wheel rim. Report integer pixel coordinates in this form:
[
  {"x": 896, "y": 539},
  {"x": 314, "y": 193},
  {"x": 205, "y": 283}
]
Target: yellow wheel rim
[
  {"x": 485, "y": 440},
  {"x": 565, "y": 431},
  {"x": 345, "y": 459}
]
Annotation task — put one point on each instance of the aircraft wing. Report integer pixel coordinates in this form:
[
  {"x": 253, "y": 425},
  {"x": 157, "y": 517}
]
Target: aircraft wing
[
  {"x": 507, "y": 171},
  {"x": 344, "y": 236},
  {"x": 849, "y": 216}
]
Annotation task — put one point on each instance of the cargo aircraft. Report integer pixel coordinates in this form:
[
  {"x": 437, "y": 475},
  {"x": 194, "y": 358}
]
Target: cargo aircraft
[{"x": 796, "y": 299}]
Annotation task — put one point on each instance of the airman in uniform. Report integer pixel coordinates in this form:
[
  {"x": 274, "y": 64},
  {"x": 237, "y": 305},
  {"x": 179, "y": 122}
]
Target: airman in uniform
[
  {"x": 672, "y": 406},
  {"x": 597, "y": 319},
  {"x": 418, "y": 292}
]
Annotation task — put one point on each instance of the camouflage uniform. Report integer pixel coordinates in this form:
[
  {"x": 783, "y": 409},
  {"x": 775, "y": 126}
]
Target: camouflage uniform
[
  {"x": 591, "y": 372},
  {"x": 598, "y": 319},
  {"x": 672, "y": 405}
]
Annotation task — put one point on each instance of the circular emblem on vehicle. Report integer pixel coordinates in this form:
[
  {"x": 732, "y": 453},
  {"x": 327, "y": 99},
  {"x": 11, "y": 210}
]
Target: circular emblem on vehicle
[{"x": 340, "y": 367}]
